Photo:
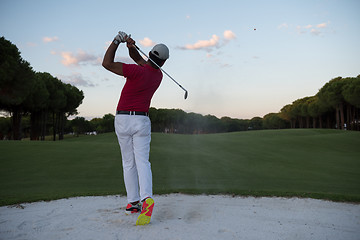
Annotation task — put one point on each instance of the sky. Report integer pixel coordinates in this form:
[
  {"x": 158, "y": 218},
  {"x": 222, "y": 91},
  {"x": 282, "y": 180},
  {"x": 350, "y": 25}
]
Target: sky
[{"x": 240, "y": 59}]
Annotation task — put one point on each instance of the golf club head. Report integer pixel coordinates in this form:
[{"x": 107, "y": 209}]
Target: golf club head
[{"x": 186, "y": 94}]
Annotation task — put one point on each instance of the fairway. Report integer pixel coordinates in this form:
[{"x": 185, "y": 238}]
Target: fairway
[{"x": 306, "y": 163}]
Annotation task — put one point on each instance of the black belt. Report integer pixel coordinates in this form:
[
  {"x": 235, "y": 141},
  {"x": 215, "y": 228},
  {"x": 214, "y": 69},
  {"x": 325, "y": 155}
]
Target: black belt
[{"x": 133, "y": 113}]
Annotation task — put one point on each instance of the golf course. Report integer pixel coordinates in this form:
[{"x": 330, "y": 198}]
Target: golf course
[{"x": 311, "y": 163}]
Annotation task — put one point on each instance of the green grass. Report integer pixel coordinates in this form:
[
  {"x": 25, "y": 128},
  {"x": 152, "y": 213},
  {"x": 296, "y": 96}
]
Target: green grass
[{"x": 321, "y": 164}]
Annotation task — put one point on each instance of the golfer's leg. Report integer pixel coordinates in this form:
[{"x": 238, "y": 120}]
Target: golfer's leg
[
  {"x": 128, "y": 159},
  {"x": 141, "y": 150}
]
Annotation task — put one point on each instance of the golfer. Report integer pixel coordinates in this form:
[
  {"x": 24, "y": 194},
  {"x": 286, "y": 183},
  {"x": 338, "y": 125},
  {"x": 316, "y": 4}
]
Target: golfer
[{"x": 132, "y": 123}]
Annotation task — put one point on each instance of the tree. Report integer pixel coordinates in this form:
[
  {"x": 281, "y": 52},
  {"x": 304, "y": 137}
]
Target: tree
[
  {"x": 232, "y": 125},
  {"x": 95, "y": 125},
  {"x": 80, "y": 125},
  {"x": 314, "y": 110},
  {"x": 158, "y": 119},
  {"x": 298, "y": 112},
  {"x": 193, "y": 123},
  {"x": 5, "y": 128},
  {"x": 213, "y": 124},
  {"x": 57, "y": 100},
  {"x": 36, "y": 104},
  {"x": 288, "y": 114},
  {"x": 256, "y": 123},
  {"x": 107, "y": 123},
  {"x": 176, "y": 118},
  {"x": 351, "y": 93},
  {"x": 16, "y": 79},
  {"x": 331, "y": 94},
  {"x": 304, "y": 111},
  {"x": 74, "y": 98},
  {"x": 274, "y": 121}
]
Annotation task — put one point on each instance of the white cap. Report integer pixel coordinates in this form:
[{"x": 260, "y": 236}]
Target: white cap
[{"x": 161, "y": 51}]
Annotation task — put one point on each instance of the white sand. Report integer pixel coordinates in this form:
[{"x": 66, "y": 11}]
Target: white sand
[{"x": 178, "y": 216}]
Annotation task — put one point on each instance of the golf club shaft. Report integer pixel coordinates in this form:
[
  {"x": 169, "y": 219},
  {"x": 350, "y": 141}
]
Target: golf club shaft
[{"x": 160, "y": 68}]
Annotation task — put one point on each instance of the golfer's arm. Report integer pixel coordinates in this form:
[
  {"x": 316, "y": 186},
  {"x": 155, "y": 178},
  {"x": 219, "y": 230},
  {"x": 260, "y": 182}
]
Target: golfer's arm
[
  {"x": 108, "y": 61},
  {"x": 135, "y": 55}
]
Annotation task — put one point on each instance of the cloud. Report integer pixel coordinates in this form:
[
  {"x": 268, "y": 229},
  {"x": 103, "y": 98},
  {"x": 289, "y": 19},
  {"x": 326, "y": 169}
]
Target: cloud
[
  {"x": 80, "y": 58},
  {"x": 50, "y": 39},
  {"x": 314, "y": 29},
  {"x": 68, "y": 59},
  {"x": 147, "y": 42},
  {"x": 76, "y": 79},
  {"x": 213, "y": 41},
  {"x": 321, "y": 25},
  {"x": 229, "y": 35}
]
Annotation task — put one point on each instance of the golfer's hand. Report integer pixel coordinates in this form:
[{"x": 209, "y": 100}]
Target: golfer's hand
[
  {"x": 120, "y": 38},
  {"x": 130, "y": 43},
  {"x": 133, "y": 52}
]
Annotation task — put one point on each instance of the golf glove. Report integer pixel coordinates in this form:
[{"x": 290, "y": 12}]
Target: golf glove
[{"x": 120, "y": 38}]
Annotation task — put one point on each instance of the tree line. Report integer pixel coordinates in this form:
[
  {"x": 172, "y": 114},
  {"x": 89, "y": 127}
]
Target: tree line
[
  {"x": 336, "y": 105},
  {"x": 178, "y": 121},
  {"x": 319, "y": 111},
  {"x": 23, "y": 92}
]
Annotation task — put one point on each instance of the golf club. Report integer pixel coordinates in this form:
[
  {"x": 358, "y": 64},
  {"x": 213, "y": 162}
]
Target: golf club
[{"x": 186, "y": 92}]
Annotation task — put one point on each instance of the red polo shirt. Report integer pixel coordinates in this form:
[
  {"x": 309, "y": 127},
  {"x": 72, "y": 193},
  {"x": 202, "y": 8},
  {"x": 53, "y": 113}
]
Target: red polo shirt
[{"x": 141, "y": 84}]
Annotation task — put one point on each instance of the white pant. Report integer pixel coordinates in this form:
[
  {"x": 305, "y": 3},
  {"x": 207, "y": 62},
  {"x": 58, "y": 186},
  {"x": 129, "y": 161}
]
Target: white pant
[{"x": 134, "y": 136}]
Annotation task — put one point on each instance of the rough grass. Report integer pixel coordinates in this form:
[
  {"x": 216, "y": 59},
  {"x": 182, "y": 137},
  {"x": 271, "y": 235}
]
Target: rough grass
[{"x": 305, "y": 163}]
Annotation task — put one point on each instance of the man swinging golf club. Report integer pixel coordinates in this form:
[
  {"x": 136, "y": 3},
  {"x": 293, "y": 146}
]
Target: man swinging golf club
[{"x": 132, "y": 124}]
